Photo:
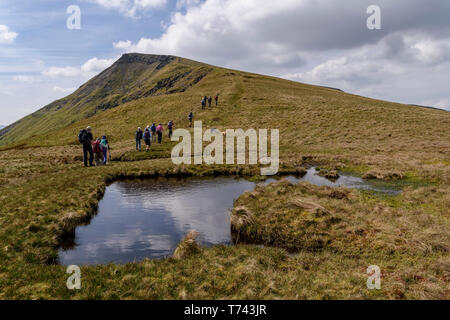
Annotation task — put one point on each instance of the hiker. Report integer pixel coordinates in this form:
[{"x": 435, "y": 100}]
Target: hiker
[
  {"x": 153, "y": 130},
  {"x": 170, "y": 127},
  {"x": 85, "y": 138},
  {"x": 105, "y": 148},
  {"x": 210, "y": 101},
  {"x": 203, "y": 103},
  {"x": 190, "y": 117},
  {"x": 139, "y": 136},
  {"x": 147, "y": 138},
  {"x": 159, "y": 131},
  {"x": 217, "y": 100},
  {"x": 98, "y": 153}
]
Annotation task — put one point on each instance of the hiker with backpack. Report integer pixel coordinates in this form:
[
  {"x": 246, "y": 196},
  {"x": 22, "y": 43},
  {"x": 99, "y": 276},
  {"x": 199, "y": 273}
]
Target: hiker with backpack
[
  {"x": 170, "y": 127},
  {"x": 85, "y": 137},
  {"x": 98, "y": 153},
  {"x": 210, "y": 101},
  {"x": 139, "y": 136},
  {"x": 190, "y": 117},
  {"x": 153, "y": 130},
  {"x": 217, "y": 100},
  {"x": 203, "y": 103},
  {"x": 159, "y": 132},
  {"x": 105, "y": 149},
  {"x": 147, "y": 138}
]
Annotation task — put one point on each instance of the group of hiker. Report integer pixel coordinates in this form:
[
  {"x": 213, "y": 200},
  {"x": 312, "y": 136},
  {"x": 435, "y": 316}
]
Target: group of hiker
[
  {"x": 97, "y": 149},
  {"x": 206, "y": 100},
  {"x": 150, "y": 134}
]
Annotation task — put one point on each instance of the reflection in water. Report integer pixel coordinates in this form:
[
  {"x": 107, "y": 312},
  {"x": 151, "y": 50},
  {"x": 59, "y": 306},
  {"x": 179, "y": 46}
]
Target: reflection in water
[{"x": 147, "y": 219}]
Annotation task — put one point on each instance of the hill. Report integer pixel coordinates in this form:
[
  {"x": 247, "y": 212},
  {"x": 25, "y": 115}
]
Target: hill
[{"x": 132, "y": 77}]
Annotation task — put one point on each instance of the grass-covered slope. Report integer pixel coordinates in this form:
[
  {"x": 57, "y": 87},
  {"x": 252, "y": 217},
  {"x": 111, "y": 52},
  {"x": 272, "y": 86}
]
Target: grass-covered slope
[
  {"x": 313, "y": 121},
  {"x": 132, "y": 77}
]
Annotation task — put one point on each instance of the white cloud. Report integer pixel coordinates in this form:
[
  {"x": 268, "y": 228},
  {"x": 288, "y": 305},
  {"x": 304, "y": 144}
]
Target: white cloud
[
  {"x": 130, "y": 7},
  {"x": 440, "y": 103},
  {"x": 26, "y": 79},
  {"x": 96, "y": 65},
  {"x": 88, "y": 69},
  {"x": 430, "y": 51},
  {"x": 54, "y": 72},
  {"x": 7, "y": 36},
  {"x": 64, "y": 90},
  {"x": 124, "y": 45}
]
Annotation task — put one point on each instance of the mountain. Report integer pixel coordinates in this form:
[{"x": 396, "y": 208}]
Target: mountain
[
  {"x": 139, "y": 89},
  {"x": 132, "y": 77},
  {"x": 1, "y": 126}
]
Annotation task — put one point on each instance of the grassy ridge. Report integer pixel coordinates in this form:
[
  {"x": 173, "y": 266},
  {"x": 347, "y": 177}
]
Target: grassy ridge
[
  {"x": 313, "y": 121},
  {"x": 133, "y": 76}
]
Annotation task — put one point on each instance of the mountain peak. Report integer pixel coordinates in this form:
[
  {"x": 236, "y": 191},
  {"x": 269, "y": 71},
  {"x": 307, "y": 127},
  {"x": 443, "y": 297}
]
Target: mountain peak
[{"x": 145, "y": 58}]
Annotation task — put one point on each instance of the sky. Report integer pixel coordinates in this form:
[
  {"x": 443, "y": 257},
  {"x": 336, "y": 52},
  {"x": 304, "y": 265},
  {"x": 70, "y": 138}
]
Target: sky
[{"x": 323, "y": 42}]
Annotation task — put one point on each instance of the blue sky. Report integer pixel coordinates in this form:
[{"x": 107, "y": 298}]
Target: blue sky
[
  {"x": 43, "y": 41},
  {"x": 321, "y": 42},
  {"x": 41, "y": 25}
]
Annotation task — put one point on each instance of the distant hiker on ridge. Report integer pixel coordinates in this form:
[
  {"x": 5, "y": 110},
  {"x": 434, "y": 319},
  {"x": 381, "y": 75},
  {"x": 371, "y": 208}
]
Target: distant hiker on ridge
[
  {"x": 153, "y": 130},
  {"x": 147, "y": 138},
  {"x": 170, "y": 127},
  {"x": 85, "y": 137},
  {"x": 190, "y": 117},
  {"x": 203, "y": 103},
  {"x": 217, "y": 100},
  {"x": 139, "y": 136},
  {"x": 210, "y": 101},
  {"x": 159, "y": 131}
]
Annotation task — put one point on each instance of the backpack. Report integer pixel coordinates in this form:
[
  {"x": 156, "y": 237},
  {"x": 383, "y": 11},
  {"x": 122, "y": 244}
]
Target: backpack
[
  {"x": 96, "y": 146},
  {"x": 170, "y": 126},
  {"x": 147, "y": 134},
  {"x": 82, "y": 136},
  {"x": 104, "y": 144}
]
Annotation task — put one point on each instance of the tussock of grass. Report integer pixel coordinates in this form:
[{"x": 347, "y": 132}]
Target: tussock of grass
[
  {"x": 310, "y": 207},
  {"x": 188, "y": 246},
  {"x": 375, "y": 174},
  {"x": 240, "y": 218}
]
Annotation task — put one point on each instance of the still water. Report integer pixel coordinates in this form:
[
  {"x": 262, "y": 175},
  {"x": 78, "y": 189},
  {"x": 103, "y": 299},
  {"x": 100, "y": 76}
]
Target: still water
[{"x": 140, "y": 219}]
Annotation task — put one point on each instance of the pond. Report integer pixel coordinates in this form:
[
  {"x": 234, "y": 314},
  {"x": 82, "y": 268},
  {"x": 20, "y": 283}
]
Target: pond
[{"x": 140, "y": 219}]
